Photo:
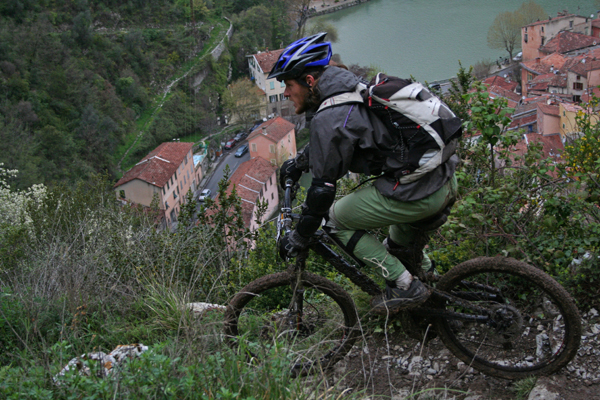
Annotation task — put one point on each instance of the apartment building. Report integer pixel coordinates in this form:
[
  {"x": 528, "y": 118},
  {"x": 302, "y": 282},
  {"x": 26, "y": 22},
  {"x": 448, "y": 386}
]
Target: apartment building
[
  {"x": 274, "y": 140},
  {"x": 166, "y": 173}
]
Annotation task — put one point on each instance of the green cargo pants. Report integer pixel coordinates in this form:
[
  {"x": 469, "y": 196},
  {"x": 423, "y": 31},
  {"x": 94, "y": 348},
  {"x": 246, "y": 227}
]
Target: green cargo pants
[{"x": 367, "y": 209}]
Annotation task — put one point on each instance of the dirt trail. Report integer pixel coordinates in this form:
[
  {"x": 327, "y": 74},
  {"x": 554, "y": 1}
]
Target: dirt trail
[{"x": 397, "y": 367}]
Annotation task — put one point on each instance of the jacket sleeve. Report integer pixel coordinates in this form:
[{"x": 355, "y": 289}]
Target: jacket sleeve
[{"x": 335, "y": 133}]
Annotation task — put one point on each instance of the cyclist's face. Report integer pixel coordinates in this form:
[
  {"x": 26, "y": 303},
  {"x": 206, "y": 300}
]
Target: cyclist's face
[{"x": 297, "y": 93}]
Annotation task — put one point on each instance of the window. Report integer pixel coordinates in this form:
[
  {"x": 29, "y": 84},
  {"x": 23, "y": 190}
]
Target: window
[
  {"x": 175, "y": 175},
  {"x": 164, "y": 191},
  {"x": 530, "y": 128},
  {"x": 122, "y": 194},
  {"x": 270, "y": 180},
  {"x": 253, "y": 146},
  {"x": 543, "y": 40},
  {"x": 166, "y": 205},
  {"x": 273, "y": 99},
  {"x": 577, "y": 98},
  {"x": 272, "y": 85},
  {"x": 578, "y": 85},
  {"x": 272, "y": 196},
  {"x": 542, "y": 29},
  {"x": 272, "y": 148},
  {"x": 282, "y": 84},
  {"x": 525, "y": 37},
  {"x": 570, "y": 24},
  {"x": 185, "y": 159},
  {"x": 168, "y": 185},
  {"x": 281, "y": 97},
  {"x": 174, "y": 196}
]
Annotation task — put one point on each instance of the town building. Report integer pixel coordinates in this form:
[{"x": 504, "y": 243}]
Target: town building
[
  {"x": 166, "y": 174},
  {"x": 537, "y": 34},
  {"x": 255, "y": 182},
  {"x": 274, "y": 140},
  {"x": 260, "y": 66}
]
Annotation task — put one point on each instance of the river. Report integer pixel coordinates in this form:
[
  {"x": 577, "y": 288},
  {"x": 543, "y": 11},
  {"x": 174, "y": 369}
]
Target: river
[{"x": 427, "y": 38}]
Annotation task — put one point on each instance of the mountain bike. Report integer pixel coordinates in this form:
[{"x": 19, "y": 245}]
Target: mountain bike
[{"x": 499, "y": 315}]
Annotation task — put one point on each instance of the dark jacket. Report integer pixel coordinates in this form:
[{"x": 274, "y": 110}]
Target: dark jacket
[{"x": 348, "y": 138}]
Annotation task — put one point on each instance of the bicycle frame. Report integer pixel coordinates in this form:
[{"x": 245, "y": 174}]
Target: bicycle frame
[{"x": 321, "y": 245}]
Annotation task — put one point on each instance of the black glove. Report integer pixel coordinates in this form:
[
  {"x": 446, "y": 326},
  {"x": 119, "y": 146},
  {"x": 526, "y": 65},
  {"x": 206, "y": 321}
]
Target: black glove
[
  {"x": 291, "y": 244},
  {"x": 289, "y": 170}
]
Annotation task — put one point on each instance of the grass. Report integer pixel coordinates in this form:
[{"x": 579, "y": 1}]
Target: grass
[{"x": 145, "y": 120}]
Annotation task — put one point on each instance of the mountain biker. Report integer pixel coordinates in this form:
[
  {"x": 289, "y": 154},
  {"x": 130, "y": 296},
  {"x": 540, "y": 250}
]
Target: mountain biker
[{"x": 348, "y": 138}]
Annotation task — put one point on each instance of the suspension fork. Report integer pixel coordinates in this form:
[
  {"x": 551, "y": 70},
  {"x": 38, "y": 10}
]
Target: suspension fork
[{"x": 297, "y": 303}]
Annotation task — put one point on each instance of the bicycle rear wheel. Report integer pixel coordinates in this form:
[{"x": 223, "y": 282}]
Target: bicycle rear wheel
[
  {"x": 533, "y": 327},
  {"x": 313, "y": 338}
]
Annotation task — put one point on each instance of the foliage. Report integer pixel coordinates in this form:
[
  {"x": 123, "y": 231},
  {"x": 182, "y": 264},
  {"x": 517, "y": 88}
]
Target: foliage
[
  {"x": 243, "y": 99},
  {"x": 505, "y": 31}
]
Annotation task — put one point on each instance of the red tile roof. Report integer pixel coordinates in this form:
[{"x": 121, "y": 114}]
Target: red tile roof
[
  {"x": 552, "y": 145},
  {"x": 249, "y": 180},
  {"x": 519, "y": 122},
  {"x": 583, "y": 64},
  {"x": 267, "y": 59},
  {"x": 512, "y": 97},
  {"x": 159, "y": 165},
  {"x": 274, "y": 129},
  {"x": 559, "y": 16},
  {"x": 566, "y": 41},
  {"x": 545, "y": 64},
  {"x": 549, "y": 109},
  {"x": 500, "y": 82}
]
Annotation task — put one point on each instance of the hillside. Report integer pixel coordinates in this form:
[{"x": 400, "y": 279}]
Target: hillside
[{"x": 78, "y": 80}]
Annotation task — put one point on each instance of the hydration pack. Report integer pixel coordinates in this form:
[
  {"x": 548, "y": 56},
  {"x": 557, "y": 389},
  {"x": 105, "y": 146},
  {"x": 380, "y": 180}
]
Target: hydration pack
[{"x": 425, "y": 130}]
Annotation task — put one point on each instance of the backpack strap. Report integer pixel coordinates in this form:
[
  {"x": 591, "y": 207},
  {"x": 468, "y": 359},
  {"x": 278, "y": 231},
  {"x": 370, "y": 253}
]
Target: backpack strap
[{"x": 344, "y": 98}]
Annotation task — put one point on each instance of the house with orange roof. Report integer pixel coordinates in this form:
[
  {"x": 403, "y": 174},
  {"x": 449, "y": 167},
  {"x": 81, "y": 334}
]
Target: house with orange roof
[
  {"x": 537, "y": 34},
  {"x": 548, "y": 119},
  {"x": 274, "y": 140},
  {"x": 255, "y": 182},
  {"x": 565, "y": 42},
  {"x": 502, "y": 82},
  {"x": 260, "y": 65},
  {"x": 167, "y": 173},
  {"x": 540, "y": 66}
]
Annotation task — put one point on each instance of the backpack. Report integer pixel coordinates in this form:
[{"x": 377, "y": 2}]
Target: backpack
[{"x": 425, "y": 129}]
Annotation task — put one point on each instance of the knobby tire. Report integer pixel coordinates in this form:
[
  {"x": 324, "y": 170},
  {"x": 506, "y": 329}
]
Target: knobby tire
[
  {"x": 328, "y": 330},
  {"x": 536, "y": 328}
]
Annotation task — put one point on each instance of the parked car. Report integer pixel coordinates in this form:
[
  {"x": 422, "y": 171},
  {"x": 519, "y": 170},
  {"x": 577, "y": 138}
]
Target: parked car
[
  {"x": 238, "y": 138},
  {"x": 230, "y": 143},
  {"x": 241, "y": 151},
  {"x": 204, "y": 195}
]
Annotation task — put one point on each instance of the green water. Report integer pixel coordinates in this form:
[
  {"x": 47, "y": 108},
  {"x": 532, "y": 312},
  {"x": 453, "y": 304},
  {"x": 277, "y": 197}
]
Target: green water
[{"x": 426, "y": 38}]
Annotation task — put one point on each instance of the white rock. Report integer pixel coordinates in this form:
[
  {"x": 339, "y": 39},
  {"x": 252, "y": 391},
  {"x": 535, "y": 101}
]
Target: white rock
[
  {"x": 542, "y": 393},
  {"x": 201, "y": 308}
]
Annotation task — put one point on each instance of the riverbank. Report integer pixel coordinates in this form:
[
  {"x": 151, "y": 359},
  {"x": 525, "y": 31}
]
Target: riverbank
[{"x": 321, "y": 7}]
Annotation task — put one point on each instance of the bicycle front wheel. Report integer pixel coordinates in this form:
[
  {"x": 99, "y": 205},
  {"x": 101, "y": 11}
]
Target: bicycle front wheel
[
  {"x": 313, "y": 335},
  {"x": 533, "y": 325}
]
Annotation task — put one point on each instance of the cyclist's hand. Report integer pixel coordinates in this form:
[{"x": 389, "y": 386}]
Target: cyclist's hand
[
  {"x": 291, "y": 244},
  {"x": 289, "y": 170}
]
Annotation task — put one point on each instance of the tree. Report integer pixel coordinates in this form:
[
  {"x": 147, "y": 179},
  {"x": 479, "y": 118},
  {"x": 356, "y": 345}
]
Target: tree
[
  {"x": 505, "y": 32},
  {"x": 322, "y": 26},
  {"x": 530, "y": 11},
  {"x": 243, "y": 100}
]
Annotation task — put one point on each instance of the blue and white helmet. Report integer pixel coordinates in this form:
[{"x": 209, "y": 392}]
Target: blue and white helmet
[{"x": 307, "y": 52}]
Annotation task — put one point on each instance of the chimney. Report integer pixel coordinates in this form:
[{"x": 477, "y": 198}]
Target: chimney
[
  {"x": 537, "y": 60},
  {"x": 264, "y": 130}
]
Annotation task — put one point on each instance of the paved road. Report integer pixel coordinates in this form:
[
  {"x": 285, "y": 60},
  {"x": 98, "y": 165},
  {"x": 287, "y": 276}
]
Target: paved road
[{"x": 228, "y": 158}]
